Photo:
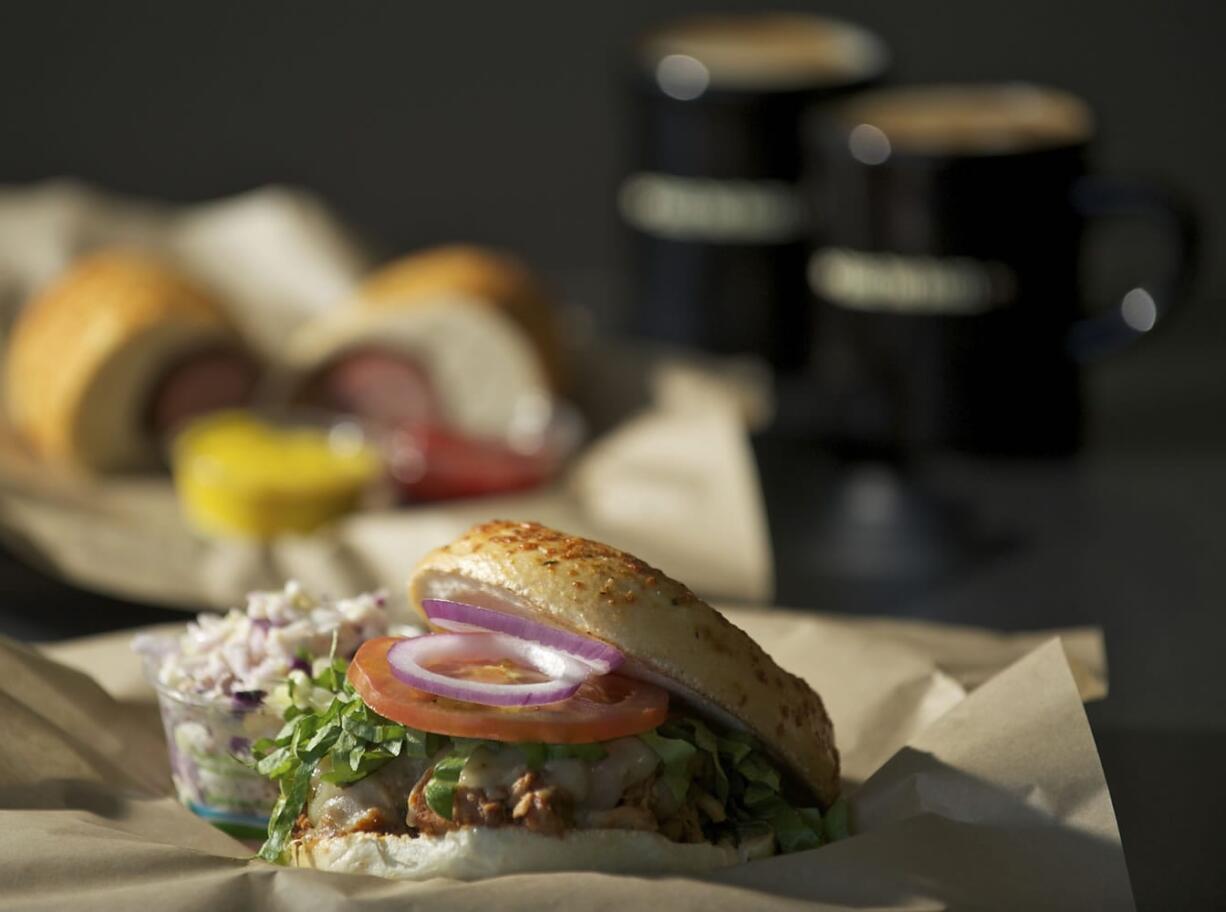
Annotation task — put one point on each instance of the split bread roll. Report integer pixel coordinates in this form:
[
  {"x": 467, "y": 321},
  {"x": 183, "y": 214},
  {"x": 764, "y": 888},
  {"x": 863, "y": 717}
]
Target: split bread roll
[
  {"x": 669, "y": 636},
  {"x": 119, "y": 348},
  {"x": 475, "y": 322},
  {"x": 502, "y": 282}
]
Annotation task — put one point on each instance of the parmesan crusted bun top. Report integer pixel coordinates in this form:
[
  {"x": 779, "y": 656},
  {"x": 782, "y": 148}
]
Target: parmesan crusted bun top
[{"x": 669, "y": 635}]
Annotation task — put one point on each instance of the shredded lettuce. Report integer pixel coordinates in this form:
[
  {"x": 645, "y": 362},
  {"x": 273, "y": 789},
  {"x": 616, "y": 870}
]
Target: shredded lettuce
[
  {"x": 675, "y": 755},
  {"x": 732, "y": 766}
]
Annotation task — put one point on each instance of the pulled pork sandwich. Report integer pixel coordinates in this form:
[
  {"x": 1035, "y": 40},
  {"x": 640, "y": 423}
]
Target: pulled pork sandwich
[{"x": 575, "y": 709}]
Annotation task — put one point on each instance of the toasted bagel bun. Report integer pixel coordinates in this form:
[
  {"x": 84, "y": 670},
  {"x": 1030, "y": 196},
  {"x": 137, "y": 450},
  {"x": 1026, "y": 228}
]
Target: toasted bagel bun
[
  {"x": 479, "y": 363},
  {"x": 444, "y": 309},
  {"x": 476, "y": 852},
  {"x": 85, "y": 356},
  {"x": 669, "y": 635},
  {"x": 503, "y": 282}
]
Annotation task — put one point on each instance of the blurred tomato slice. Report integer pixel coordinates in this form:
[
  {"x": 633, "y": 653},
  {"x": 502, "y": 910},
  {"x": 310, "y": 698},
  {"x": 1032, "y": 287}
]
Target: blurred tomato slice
[{"x": 432, "y": 462}]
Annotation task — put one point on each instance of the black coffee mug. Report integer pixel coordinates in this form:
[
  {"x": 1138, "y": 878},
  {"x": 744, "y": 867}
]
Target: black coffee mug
[
  {"x": 947, "y": 265},
  {"x": 712, "y": 199}
]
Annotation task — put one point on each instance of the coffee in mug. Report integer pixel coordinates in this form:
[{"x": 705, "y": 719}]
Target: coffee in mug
[
  {"x": 712, "y": 201},
  {"x": 945, "y": 266}
]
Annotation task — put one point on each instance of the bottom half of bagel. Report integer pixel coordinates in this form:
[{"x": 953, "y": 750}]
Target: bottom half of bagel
[{"x": 476, "y": 852}]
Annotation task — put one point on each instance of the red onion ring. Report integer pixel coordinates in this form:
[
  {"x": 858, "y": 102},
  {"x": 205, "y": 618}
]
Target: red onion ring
[
  {"x": 462, "y": 617},
  {"x": 408, "y": 657}
]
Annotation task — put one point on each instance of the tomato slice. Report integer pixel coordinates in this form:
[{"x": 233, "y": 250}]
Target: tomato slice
[
  {"x": 432, "y": 462},
  {"x": 606, "y": 707}
]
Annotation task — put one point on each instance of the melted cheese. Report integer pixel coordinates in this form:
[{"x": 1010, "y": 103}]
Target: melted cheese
[
  {"x": 341, "y": 808},
  {"x": 490, "y": 769},
  {"x": 571, "y": 776},
  {"x": 628, "y": 763}
]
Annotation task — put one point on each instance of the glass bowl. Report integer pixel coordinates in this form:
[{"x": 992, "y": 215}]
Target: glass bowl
[{"x": 209, "y": 741}]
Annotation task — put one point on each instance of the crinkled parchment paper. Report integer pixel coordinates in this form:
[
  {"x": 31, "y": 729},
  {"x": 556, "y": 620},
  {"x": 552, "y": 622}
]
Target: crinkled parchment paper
[{"x": 983, "y": 798}]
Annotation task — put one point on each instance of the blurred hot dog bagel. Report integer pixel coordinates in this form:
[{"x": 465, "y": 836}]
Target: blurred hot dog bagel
[
  {"x": 116, "y": 351},
  {"x": 690, "y": 749},
  {"x": 494, "y": 277},
  {"x": 670, "y": 636},
  {"x": 464, "y": 328}
]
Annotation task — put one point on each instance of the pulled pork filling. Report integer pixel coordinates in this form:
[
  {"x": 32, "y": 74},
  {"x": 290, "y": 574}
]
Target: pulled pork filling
[
  {"x": 497, "y": 788},
  {"x": 342, "y": 768}
]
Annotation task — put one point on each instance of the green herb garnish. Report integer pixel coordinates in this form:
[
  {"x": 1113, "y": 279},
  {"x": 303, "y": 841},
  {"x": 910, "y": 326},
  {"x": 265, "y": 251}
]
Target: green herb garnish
[{"x": 348, "y": 738}]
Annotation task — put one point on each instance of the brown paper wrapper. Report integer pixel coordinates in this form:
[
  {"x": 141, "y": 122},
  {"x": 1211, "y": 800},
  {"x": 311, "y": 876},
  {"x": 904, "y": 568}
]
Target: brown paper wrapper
[{"x": 992, "y": 798}]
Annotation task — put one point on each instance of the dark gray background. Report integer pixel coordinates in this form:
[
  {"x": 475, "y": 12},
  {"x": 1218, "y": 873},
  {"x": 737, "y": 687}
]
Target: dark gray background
[{"x": 502, "y": 122}]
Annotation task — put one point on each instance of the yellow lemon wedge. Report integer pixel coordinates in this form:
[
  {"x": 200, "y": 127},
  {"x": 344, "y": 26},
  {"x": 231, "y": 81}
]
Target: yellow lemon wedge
[{"x": 237, "y": 474}]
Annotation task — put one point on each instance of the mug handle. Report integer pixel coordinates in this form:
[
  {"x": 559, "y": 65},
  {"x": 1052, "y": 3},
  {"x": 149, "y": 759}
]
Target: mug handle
[{"x": 1144, "y": 306}]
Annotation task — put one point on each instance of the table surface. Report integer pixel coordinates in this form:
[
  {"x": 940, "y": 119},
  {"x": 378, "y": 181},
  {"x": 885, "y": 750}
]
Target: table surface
[{"x": 1127, "y": 537}]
